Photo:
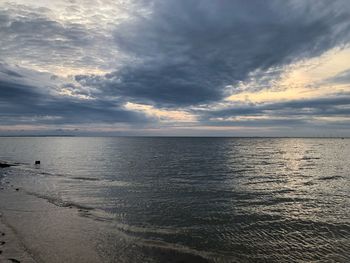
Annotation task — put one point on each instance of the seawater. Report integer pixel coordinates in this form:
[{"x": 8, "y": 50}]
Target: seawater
[{"x": 221, "y": 199}]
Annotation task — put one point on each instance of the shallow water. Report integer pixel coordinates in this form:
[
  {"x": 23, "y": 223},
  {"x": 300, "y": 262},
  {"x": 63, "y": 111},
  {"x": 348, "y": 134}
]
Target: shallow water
[{"x": 223, "y": 199}]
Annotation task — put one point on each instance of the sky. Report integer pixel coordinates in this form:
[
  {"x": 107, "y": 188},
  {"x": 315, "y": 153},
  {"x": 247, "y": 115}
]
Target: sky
[{"x": 175, "y": 67}]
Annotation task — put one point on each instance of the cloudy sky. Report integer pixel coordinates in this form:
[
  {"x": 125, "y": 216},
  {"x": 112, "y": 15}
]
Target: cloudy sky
[{"x": 175, "y": 67}]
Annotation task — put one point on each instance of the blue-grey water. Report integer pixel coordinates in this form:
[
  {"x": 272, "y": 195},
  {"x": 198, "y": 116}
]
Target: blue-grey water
[{"x": 220, "y": 199}]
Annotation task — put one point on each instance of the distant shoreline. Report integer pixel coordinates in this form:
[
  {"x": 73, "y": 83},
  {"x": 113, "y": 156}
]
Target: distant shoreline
[
  {"x": 5, "y": 136},
  {"x": 137, "y": 136}
]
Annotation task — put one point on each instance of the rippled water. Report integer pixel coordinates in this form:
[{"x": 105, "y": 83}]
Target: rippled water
[{"x": 224, "y": 199}]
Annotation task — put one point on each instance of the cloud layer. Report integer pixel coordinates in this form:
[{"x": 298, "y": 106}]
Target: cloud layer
[
  {"x": 189, "y": 52},
  {"x": 72, "y": 62},
  {"x": 23, "y": 103}
]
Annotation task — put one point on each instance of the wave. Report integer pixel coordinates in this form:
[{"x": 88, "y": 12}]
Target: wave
[
  {"x": 38, "y": 171},
  {"x": 326, "y": 178},
  {"x": 59, "y": 202},
  {"x": 307, "y": 158},
  {"x": 137, "y": 234}
]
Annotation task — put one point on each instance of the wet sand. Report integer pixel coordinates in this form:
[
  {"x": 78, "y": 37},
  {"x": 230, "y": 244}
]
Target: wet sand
[
  {"x": 11, "y": 248},
  {"x": 34, "y": 230},
  {"x": 38, "y": 231}
]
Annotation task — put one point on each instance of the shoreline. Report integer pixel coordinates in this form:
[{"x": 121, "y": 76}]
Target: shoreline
[
  {"x": 38, "y": 231},
  {"x": 44, "y": 232},
  {"x": 12, "y": 249}
]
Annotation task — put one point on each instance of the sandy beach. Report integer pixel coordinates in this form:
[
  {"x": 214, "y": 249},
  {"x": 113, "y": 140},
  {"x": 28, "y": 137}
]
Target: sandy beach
[
  {"x": 37, "y": 231},
  {"x": 12, "y": 249},
  {"x": 34, "y": 230}
]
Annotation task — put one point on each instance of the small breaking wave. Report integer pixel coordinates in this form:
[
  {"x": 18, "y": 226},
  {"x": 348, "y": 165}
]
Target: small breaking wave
[{"x": 326, "y": 178}]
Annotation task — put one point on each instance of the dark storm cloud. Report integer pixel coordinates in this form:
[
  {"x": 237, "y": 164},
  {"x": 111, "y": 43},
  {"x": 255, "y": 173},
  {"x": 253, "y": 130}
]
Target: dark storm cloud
[
  {"x": 187, "y": 52},
  {"x": 312, "y": 116},
  {"x": 271, "y": 122},
  {"x": 25, "y": 104},
  {"x": 319, "y": 107},
  {"x": 9, "y": 72}
]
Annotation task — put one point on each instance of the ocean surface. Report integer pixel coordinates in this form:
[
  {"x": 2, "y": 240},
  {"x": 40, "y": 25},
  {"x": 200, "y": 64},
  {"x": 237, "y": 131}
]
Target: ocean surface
[{"x": 218, "y": 199}]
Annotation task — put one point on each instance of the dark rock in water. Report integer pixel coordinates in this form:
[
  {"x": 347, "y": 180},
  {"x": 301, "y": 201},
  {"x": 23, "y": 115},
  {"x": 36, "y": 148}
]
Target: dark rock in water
[
  {"x": 4, "y": 165},
  {"x": 17, "y": 189},
  {"x": 37, "y": 162}
]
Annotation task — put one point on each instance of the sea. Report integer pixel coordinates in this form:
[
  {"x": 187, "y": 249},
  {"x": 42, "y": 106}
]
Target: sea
[{"x": 210, "y": 199}]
